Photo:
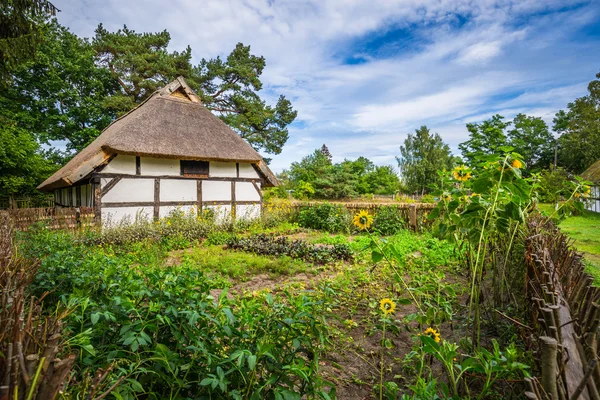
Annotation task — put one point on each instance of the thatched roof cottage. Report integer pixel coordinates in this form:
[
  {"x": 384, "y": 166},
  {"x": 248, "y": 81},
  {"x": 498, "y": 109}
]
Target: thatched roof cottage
[
  {"x": 168, "y": 152},
  {"x": 592, "y": 174}
]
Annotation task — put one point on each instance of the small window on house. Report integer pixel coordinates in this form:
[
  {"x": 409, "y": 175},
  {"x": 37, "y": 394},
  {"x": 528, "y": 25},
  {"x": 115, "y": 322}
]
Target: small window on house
[{"x": 194, "y": 168}]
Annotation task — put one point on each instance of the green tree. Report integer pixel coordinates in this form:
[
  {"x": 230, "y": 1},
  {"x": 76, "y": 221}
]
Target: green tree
[
  {"x": 141, "y": 63},
  {"x": 531, "y": 138},
  {"x": 59, "y": 95},
  {"x": 381, "y": 180},
  {"x": 579, "y": 143},
  {"x": 21, "y": 31},
  {"x": 421, "y": 157},
  {"x": 230, "y": 89},
  {"x": 484, "y": 138}
]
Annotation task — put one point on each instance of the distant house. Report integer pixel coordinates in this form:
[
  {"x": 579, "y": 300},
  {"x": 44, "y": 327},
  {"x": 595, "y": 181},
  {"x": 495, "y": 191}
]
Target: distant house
[
  {"x": 168, "y": 152},
  {"x": 592, "y": 174}
]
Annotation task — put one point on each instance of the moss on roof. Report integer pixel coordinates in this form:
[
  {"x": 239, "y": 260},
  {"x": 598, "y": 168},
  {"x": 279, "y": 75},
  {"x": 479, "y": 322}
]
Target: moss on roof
[{"x": 592, "y": 173}]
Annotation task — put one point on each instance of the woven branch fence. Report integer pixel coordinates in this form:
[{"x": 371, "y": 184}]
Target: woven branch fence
[
  {"x": 565, "y": 312},
  {"x": 51, "y": 217},
  {"x": 415, "y": 214}
]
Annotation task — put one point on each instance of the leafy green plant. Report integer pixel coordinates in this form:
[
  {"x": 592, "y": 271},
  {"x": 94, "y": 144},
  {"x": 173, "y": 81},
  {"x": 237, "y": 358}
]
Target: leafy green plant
[
  {"x": 327, "y": 217},
  {"x": 388, "y": 221},
  {"x": 264, "y": 244}
]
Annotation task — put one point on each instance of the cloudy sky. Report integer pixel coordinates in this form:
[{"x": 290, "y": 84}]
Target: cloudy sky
[{"x": 365, "y": 73}]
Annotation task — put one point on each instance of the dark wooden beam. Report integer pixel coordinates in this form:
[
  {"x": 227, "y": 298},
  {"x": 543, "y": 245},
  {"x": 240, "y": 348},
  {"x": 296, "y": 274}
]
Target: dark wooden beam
[
  {"x": 156, "y": 199},
  {"x": 111, "y": 184},
  {"x": 138, "y": 165},
  {"x": 258, "y": 190},
  {"x": 97, "y": 201},
  {"x": 237, "y": 169},
  {"x": 233, "y": 203},
  {"x": 199, "y": 196},
  {"x": 221, "y": 179},
  {"x": 149, "y": 204}
]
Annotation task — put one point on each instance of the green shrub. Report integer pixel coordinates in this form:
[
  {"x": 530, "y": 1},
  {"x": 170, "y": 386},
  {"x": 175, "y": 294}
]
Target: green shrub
[
  {"x": 388, "y": 221},
  {"x": 428, "y": 198},
  {"x": 327, "y": 217},
  {"x": 554, "y": 185}
]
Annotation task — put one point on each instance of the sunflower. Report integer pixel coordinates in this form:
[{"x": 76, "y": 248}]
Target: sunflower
[
  {"x": 363, "y": 220},
  {"x": 435, "y": 335},
  {"x": 387, "y": 306},
  {"x": 517, "y": 164},
  {"x": 461, "y": 173},
  {"x": 586, "y": 191}
]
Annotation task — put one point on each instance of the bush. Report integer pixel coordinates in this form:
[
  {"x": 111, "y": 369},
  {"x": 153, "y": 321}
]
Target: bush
[
  {"x": 270, "y": 245},
  {"x": 327, "y": 217},
  {"x": 388, "y": 221},
  {"x": 554, "y": 185},
  {"x": 427, "y": 199},
  {"x": 276, "y": 211}
]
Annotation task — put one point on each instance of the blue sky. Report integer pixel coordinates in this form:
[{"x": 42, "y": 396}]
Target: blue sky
[{"x": 365, "y": 73}]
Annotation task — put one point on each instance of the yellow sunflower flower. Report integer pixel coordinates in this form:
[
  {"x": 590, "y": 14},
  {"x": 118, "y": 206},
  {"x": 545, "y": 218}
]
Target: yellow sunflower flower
[
  {"x": 435, "y": 335},
  {"x": 387, "y": 306},
  {"x": 517, "y": 164},
  {"x": 586, "y": 191},
  {"x": 363, "y": 220},
  {"x": 461, "y": 173}
]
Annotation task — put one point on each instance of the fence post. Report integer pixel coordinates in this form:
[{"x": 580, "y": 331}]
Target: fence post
[
  {"x": 549, "y": 366},
  {"x": 412, "y": 216}
]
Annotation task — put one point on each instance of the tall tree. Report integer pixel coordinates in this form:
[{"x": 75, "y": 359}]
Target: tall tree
[
  {"x": 230, "y": 89},
  {"x": 484, "y": 138},
  {"x": 60, "y": 95},
  {"x": 141, "y": 63},
  {"x": 21, "y": 31},
  {"x": 579, "y": 126},
  {"x": 325, "y": 150},
  {"x": 531, "y": 138},
  {"x": 421, "y": 156}
]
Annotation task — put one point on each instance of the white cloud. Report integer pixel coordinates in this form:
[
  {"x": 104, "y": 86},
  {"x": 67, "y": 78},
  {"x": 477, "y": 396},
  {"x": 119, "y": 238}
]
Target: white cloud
[{"x": 506, "y": 55}]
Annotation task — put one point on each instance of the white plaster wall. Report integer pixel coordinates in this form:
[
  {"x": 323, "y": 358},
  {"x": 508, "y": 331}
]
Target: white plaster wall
[
  {"x": 222, "y": 169},
  {"x": 245, "y": 191},
  {"x": 178, "y": 190},
  {"x": 216, "y": 191},
  {"x": 128, "y": 190},
  {"x": 160, "y": 166},
  {"x": 165, "y": 211},
  {"x": 247, "y": 171},
  {"x": 222, "y": 212},
  {"x": 121, "y": 164},
  {"x": 247, "y": 211},
  {"x": 121, "y": 215}
]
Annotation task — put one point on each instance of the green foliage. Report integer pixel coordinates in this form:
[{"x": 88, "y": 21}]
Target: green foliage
[
  {"x": 21, "y": 31},
  {"x": 60, "y": 94},
  {"x": 165, "y": 336},
  {"x": 388, "y": 221},
  {"x": 272, "y": 245},
  {"x": 421, "y": 156},
  {"x": 533, "y": 141},
  {"x": 316, "y": 177},
  {"x": 230, "y": 89},
  {"x": 326, "y": 217},
  {"x": 139, "y": 62},
  {"x": 554, "y": 185},
  {"x": 485, "y": 138},
  {"x": 580, "y": 130}
]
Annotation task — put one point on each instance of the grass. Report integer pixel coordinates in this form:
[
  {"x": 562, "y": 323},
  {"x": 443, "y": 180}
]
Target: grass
[
  {"x": 585, "y": 230},
  {"x": 215, "y": 260}
]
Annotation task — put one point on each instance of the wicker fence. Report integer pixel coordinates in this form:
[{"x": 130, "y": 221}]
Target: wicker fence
[
  {"x": 53, "y": 218},
  {"x": 415, "y": 214},
  {"x": 565, "y": 315}
]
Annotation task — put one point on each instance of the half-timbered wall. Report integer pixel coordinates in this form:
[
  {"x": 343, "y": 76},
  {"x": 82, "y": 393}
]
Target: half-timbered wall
[{"x": 132, "y": 187}]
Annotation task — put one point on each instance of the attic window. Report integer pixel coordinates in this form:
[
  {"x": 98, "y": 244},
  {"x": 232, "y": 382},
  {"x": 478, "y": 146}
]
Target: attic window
[{"x": 197, "y": 169}]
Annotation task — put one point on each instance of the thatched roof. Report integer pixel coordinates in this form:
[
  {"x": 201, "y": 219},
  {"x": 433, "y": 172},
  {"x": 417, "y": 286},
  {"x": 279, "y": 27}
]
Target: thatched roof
[
  {"x": 172, "y": 123},
  {"x": 592, "y": 174}
]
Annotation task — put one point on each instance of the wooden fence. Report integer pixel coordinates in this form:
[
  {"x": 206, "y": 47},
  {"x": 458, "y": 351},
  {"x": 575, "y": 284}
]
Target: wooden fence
[
  {"x": 415, "y": 214},
  {"x": 51, "y": 217},
  {"x": 565, "y": 312}
]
